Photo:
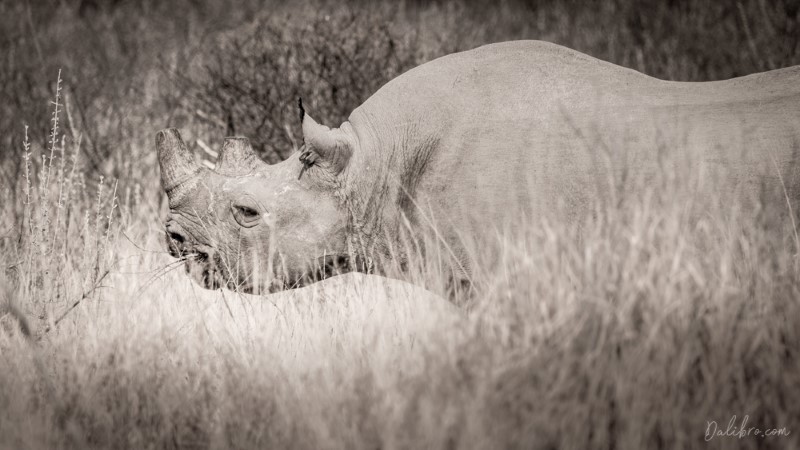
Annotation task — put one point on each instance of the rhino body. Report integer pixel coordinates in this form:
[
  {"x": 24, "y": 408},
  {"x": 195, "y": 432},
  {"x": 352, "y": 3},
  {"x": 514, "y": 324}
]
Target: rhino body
[{"x": 465, "y": 143}]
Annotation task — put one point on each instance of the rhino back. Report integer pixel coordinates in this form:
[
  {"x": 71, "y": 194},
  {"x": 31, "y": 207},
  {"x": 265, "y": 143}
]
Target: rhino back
[{"x": 527, "y": 126}]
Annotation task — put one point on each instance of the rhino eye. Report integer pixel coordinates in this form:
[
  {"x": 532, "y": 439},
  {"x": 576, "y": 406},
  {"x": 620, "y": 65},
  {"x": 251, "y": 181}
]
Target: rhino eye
[{"x": 245, "y": 215}]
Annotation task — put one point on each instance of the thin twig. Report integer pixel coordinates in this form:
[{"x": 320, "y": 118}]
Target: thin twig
[
  {"x": 139, "y": 247},
  {"x": 158, "y": 273},
  {"x": 788, "y": 203},
  {"x": 74, "y": 304},
  {"x": 227, "y": 306}
]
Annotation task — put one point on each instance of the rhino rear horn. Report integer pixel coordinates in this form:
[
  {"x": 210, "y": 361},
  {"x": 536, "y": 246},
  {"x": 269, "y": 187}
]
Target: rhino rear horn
[
  {"x": 332, "y": 146},
  {"x": 177, "y": 163},
  {"x": 237, "y": 157}
]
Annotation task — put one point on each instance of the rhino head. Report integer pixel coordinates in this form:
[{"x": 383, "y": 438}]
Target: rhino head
[{"x": 256, "y": 227}]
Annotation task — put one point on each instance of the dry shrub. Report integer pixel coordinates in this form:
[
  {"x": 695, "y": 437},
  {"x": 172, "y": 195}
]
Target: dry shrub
[
  {"x": 60, "y": 229},
  {"x": 252, "y": 77}
]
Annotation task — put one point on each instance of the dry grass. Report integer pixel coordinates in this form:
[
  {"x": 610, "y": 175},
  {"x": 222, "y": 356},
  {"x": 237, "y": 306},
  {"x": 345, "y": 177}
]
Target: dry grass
[{"x": 632, "y": 329}]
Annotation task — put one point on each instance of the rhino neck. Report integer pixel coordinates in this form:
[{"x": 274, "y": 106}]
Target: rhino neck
[{"x": 392, "y": 164}]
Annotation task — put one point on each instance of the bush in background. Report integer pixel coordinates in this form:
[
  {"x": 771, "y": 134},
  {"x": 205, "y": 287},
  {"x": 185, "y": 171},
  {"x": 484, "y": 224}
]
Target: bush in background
[{"x": 251, "y": 78}]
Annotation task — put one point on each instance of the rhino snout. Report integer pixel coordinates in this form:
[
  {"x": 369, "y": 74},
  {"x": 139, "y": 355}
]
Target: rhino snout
[{"x": 180, "y": 245}]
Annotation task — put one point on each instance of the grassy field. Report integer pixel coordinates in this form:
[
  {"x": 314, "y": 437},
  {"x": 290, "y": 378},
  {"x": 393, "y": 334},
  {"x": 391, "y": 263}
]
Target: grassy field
[{"x": 650, "y": 328}]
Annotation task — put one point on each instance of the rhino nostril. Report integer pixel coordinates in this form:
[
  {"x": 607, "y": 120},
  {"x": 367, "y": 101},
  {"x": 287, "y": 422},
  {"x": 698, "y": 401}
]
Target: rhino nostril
[{"x": 176, "y": 237}]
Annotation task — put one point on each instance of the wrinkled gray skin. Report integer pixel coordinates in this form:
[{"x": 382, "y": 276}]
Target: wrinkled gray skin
[{"x": 462, "y": 143}]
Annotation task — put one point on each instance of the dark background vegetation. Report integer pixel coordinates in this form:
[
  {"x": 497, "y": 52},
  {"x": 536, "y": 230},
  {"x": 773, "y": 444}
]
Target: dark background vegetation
[{"x": 219, "y": 68}]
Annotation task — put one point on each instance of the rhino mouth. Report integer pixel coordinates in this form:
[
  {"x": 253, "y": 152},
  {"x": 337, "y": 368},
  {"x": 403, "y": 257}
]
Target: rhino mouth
[{"x": 205, "y": 271}]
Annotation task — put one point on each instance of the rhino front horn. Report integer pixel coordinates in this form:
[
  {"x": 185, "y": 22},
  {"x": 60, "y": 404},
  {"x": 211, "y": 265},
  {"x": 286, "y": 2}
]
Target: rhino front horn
[
  {"x": 177, "y": 164},
  {"x": 237, "y": 158}
]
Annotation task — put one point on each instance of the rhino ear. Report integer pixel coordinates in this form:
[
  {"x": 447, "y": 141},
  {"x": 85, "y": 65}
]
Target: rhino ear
[{"x": 326, "y": 147}]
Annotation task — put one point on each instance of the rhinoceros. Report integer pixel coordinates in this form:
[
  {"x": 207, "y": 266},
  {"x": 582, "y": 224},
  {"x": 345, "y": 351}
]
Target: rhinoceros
[{"x": 457, "y": 145}]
